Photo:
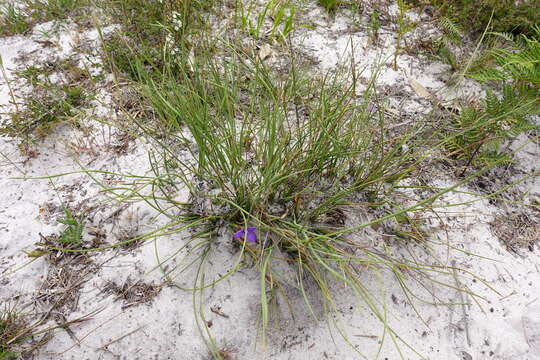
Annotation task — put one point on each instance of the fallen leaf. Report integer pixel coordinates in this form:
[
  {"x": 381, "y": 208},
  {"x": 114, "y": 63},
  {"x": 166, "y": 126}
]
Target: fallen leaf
[
  {"x": 265, "y": 52},
  {"x": 419, "y": 89},
  {"x": 391, "y": 111},
  {"x": 191, "y": 60},
  {"x": 35, "y": 253}
]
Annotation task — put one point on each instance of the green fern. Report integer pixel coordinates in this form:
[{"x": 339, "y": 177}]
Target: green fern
[
  {"x": 451, "y": 35},
  {"x": 521, "y": 62},
  {"x": 482, "y": 129},
  {"x": 452, "y": 31},
  {"x": 501, "y": 15}
]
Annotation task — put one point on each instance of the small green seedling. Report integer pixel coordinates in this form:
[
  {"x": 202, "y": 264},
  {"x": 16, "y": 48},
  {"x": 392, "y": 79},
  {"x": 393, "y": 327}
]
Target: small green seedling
[
  {"x": 374, "y": 25},
  {"x": 72, "y": 234},
  {"x": 329, "y": 5}
]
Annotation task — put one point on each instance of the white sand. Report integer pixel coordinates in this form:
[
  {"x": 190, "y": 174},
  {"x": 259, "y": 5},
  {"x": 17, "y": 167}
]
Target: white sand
[{"x": 506, "y": 325}]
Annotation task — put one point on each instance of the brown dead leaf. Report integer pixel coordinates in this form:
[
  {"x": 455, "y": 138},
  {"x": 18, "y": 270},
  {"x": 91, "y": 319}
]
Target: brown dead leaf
[
  {"x": 419, "y": 89},
  {"x": 265, "y": 52}
]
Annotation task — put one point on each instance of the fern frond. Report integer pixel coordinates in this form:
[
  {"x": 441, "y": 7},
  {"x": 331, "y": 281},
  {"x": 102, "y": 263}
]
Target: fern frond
[
  {"x": 509, "y": 37},
  {"x": 492, "y": 74},
  {"x": 452, "y": 30}
]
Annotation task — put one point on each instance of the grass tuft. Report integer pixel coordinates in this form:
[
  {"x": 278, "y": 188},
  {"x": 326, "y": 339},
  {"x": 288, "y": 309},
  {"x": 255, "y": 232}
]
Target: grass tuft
[
  {"x": 49, "y": 103},
  {"x": 15, "y": 333},
  {"x": 276, "y": 159},
  {"x": 12, "y": 20}
]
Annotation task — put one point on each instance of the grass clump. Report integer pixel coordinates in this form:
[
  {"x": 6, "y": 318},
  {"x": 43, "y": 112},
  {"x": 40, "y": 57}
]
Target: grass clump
[
  {"x": 10, "y": 326},
  {"x": 274, "y": 161},
  {"x": 260, "y": 144},
  {"x": 21, "y": 335},
  {"x": 12, "y": 20},
  {"x": 149, "y": 30},
  {"x": 15, "y": 334},
  {"x": 19, "y": 19}
]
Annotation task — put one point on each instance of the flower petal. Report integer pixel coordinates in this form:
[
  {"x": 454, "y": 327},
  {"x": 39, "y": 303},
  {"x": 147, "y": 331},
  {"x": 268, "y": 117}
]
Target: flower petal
[
  {"x": 239, "y": 234},
  {"x": 251, "y": 236}
]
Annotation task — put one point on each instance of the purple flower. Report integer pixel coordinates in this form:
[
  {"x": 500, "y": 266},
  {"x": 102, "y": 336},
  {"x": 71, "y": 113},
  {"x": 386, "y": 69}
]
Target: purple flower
[
  {"x": 251, "y": 236},
  {"x": 372, "y": 107}
]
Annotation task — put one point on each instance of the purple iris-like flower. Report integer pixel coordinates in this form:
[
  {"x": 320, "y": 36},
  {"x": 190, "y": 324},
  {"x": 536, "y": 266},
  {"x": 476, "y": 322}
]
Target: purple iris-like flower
[
  {"x": 251, "y": 236},
  {"x": 372, "y": 107}
]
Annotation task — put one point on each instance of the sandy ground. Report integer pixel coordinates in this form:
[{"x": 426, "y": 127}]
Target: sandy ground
[{"x": 130, "y": 314}]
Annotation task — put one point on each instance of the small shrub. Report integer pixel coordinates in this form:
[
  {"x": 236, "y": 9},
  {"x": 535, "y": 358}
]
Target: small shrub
[
  {"x": 483, "y": 128},
  {"x": 508, "y": 15}
]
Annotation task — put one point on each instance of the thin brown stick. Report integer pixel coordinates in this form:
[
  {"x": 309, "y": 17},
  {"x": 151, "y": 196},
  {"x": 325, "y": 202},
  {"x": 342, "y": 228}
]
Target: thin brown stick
[
  {"x": 458, "y": 285},
  {"x": 103, "y": 347}
]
